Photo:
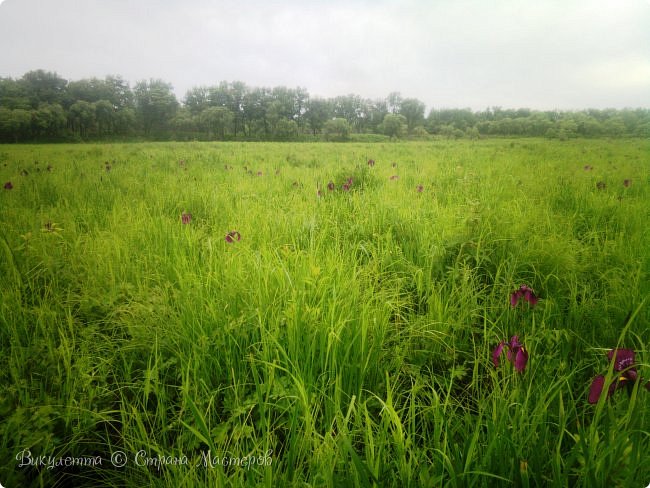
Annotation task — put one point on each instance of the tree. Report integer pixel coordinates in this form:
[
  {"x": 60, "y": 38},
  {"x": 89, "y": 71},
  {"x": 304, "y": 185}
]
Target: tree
[
  {"x": 196, "y": 99},
  {"x": 15, "y": 125},
  {"x": 13, "y": 94},
  {"x": 48, "y": 120},
  {"x": 43, "y": 87},
  {"x": 82, "y": 117},
  {"x": 105, "y": 117},
  {"x": 337, "y": 129},
  {"x": 125, "y": 121},
  {"x": 413, "y": 111},
  {"x": 286, "y": 130},
  {"x": 216, "y": 120},
  {"x": 394, "y": 125},
  {"x": 394, "y": 102},
  {"x": 155, "y": 105},
  {"x": 317, "y": 113}
]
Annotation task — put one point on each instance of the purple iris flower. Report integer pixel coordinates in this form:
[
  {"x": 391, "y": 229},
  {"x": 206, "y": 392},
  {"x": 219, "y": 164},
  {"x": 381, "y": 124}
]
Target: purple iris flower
[
  {"x": 526, "y": 293},
  {"x": 186, "y": 218},
  {"x": 371, "y": 162},
  {"x": 625, "y": 369},
  {"x": 330, "y": 186},
  {"x": 516, "y": 353},
  {"x": 346, "y": 187},
  {"x": 8, "y": 185},
  {"x": 233, "y": 236}
]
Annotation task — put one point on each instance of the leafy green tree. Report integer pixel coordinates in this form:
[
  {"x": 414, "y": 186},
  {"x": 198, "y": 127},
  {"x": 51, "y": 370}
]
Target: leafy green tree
[
  {"x": 48, "y": 121},
  {"x": 105, "y": 117},
  {"x": 196, "y": 100},
  {"x": 184, "y": 123},
  {"x": 125, "y": 121},
  {"x": 43, "y": 87},
  {"x": 394, "y": 102},
  {"x": 82, "y": 117},
  {"x": 155, "y": 105},
  {"x": 216, "y": 121},
  {"x": 376, "y": 110},
  {"x": 317, "y": 114},
  {"x": 413, "y": 111},
  {"x": 394, "y": 125},
  {"x": 238, "y": 90},
  {"x": 420, "y": 132},
  {"x": 13, "y": 94},
  {"x": 349, "y": 108},
  {"x": 337, "y": 129},
  {"x": 15, "y": 125},
  {"x": 286, "y": 130}
]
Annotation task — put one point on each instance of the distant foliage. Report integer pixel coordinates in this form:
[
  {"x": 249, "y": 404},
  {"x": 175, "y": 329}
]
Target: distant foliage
[{"x": 41, "y": 106}]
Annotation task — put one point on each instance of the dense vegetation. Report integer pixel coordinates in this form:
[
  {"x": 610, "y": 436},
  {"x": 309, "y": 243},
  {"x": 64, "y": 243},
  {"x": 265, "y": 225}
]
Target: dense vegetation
[
  {"x": 41, "y": 106},
  {"x": 325, "y": 314}
]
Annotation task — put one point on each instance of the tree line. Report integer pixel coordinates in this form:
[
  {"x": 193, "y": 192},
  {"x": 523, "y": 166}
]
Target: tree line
[{"x": 42, "y": 106}]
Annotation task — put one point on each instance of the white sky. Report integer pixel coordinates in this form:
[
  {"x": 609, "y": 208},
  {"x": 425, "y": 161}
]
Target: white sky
[{"x": 541, "y": 54}]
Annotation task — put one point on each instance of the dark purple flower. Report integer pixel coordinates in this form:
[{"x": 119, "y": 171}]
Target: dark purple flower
[
  {"x": 8, "y": 185},
  {"x": 186, "y": 218},
  {"x": 319, "y": 193},
  {"x": 516, "y": 353},
  {"x": 420, "y": 188},
  {"x": 233, "y": 236},
  {"x": 330, "y": 186},
  {"x": 596, "y": 389},
  {"x": 623, "y": 362},
  {"x": 349, "y": 182},
  {"x": 497, "y": 352},
  {"x": 346, "y": 187},
  {"x": 627, "y": 183},
  {"x": 526, "y": 293},
  {"x": 371, "y": 162},
  {"x": 625, "y": 370}
]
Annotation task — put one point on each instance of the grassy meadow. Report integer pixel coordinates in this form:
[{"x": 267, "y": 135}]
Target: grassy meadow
[{"x": 212, "y": 314}]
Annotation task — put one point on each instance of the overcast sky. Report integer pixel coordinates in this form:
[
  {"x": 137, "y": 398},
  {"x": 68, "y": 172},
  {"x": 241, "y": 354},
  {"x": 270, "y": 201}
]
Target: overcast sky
[{"x": 540, "y": 54}]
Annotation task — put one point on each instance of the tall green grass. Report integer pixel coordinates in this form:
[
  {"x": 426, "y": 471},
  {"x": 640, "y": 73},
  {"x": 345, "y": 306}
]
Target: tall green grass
[{"x": 346, "y": 340}]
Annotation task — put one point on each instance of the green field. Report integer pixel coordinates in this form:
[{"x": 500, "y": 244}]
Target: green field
[{"x": 345, "y": 339}]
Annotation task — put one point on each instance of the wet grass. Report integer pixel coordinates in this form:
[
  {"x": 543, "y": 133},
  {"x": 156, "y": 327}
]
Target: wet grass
[{"x": 347, "y": 338}]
